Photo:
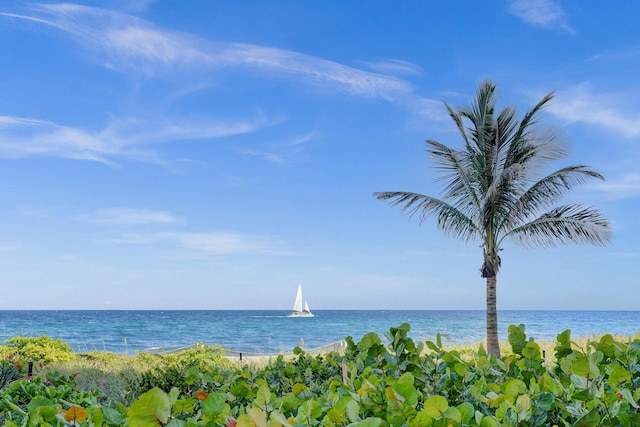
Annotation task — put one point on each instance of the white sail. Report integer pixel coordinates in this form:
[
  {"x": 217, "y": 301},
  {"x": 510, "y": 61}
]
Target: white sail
[{"x": 297, "y": 305}]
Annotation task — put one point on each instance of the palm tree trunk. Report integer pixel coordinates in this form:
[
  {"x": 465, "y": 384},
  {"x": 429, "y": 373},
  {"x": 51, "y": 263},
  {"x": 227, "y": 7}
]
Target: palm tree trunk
[{"x": 493, "y": 346}]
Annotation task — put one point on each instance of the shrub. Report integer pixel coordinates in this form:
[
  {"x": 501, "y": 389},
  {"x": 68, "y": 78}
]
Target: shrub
[{"x": 42, "y": 349}]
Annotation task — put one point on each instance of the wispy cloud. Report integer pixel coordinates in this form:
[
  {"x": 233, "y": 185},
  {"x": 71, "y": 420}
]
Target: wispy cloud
[
  {"x": 580, "y": 104},
  {"x": 131, "y": 138},
  {"x": 281, "y": 153},
  {"x": 130, "y": 216},
  {"x": 394, "y": 66},
  {"x": 623, "y": 187},
  {"x": 219, "y": 243},
  {"x": 127, "y": 44},
  {"x": 207, "y": 243},
  {"x": 541, "y": 13}
]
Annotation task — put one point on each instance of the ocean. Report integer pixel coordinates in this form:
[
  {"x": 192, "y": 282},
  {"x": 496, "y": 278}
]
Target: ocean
[{"x": 269, "y": 332}]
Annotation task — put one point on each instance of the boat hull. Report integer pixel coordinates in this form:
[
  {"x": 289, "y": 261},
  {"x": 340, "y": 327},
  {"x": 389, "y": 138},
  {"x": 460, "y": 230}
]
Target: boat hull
[{"x": 301, "y": 314}]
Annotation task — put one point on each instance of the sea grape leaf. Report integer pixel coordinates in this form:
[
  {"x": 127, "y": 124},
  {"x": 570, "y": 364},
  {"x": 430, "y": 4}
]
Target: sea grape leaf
[
  {"x": 489, "y": 421},
  {"x": 38, "y": 401},
  {"x": 435, "y": 406},
  {"x": 370, "y": 339},
  {"x": 151, "y": 409},
  {"x": 531, "y": 351},
  {"x": 264, "y": 396},
  {"x": 75, "y": 413},
  {"x": 617, "y": 375},
  {"x": 404, "y": 386},
  {"x": 564, "y": 337},
  {"x": 585, "y": 367},
  {"x": 392, "y": 395},
  {"x": 514, "y": 387},
  {"x": 184, "y": 405},
  {"x": 466, "y": 410},
  {"x": 245, "y": 420},
  {"x": 96, "y": 417},
  {"x": 517, "y": 338},
  {"x": 112, "y": 416},
  {"x": 353, "y": 410},
  {"x": 369, "y": 422},
  {"x": 277, "y": 416},
  {"x": 544, "y": 401},
  {"x": 309, "y": 409},
  {"x": 258, "y": 416},
  {"x": 215, "y": 404},
  {"x": 591, "y": 419},
  {"x": 523, "y": 403},
  {"x": 607, "y": 345},
  {"x": 421, "y": 419},
  {"x": 453, "y": 414},
  {"x": 177, "y": 423},
  {"x": 298, "y": 389},
  {"x": 629, "y": 397}
]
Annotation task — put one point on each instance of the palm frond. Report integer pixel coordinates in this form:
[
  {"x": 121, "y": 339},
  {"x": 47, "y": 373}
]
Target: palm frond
[
  {"x": 458, "y": 172},
  {"x": 450, "y": 221},
  {"x": 459, "y": 125},
  {"x": 548, "y": 190},
  {"x": 565, "y": 224}
]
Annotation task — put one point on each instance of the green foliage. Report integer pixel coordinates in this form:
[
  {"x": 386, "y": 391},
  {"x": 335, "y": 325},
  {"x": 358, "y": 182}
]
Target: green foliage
[
  {"x": 41, "y": 349},
  {"x": 399, "y": 383}
]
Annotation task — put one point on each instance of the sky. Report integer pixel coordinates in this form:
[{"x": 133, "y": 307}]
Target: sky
[{"x": 214, "y": 154}]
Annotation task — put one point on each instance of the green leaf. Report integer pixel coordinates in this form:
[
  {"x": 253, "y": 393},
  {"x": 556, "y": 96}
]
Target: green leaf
[
  {"x": 37, "y": 402},
  {"x": 591, "y": 419},
  {"x": 404, "y": 387},
  {"x": 435, "y": 406},
  {"x": 264, "y": 396},
  {"x": 488, "y": 421},
  {"x": 215, "y": 404},
  {"x": 585, "y": 367},
  {"x": 544, "y": 401},
  {"x": 299, "y": 389},
  {"x": 370, "y": 339},
  {"x": 369, "y": 422},
  {"x": 531, "y": 351},
  {"x": 112, "y": 416},
  {"x": 629, "y": 397},
  {"x": 152, "y": 409},
  {"x": 466, "y": 410},
  {"x": 617, "y": 375},
  {"x": 177, "y": 423},
  {"x": 421, "y": 419},
  {"x": 514, "y": 387},
  {"x": 452, "y": 414}
]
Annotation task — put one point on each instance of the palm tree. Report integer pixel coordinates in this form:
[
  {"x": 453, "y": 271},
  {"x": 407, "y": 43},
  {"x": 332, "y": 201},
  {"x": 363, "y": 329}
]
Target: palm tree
[{"x": 495, "y": 189}]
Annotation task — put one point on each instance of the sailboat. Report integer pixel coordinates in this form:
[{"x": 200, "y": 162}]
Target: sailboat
[{"x": 298, "y": 310}]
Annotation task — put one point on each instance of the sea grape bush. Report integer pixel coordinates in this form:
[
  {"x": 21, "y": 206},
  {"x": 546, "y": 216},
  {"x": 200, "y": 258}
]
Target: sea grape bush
[{"x": 372, "y": 383}]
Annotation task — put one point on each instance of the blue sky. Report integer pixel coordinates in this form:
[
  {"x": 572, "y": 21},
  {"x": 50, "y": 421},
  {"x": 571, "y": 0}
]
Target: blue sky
[{"x": 214, "y": 154}]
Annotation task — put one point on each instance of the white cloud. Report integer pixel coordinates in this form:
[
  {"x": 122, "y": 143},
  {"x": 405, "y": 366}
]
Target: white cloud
[
  {"x": 218, "y": 243},
  {"x": 22, "y": 137},
  {"x": 394, "y": 66},
  {"x": 541, "y": 13},
  {"x": 130, "y": 216},
  {"x": 128, "y": 42},
  {"x": 626, "y": 186},
  {"x": 581, "y": 105}
]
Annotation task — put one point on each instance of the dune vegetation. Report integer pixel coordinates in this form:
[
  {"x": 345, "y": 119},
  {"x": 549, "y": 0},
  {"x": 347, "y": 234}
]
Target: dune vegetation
[{"x": 388, "y": 381}]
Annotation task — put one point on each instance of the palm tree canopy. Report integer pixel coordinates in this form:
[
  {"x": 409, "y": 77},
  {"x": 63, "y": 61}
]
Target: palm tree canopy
[{"x": 493, "y": 188}]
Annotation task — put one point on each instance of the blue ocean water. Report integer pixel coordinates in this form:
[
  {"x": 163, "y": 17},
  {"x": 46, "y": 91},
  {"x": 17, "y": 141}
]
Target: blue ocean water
[{"x": 268, "y": 332}]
